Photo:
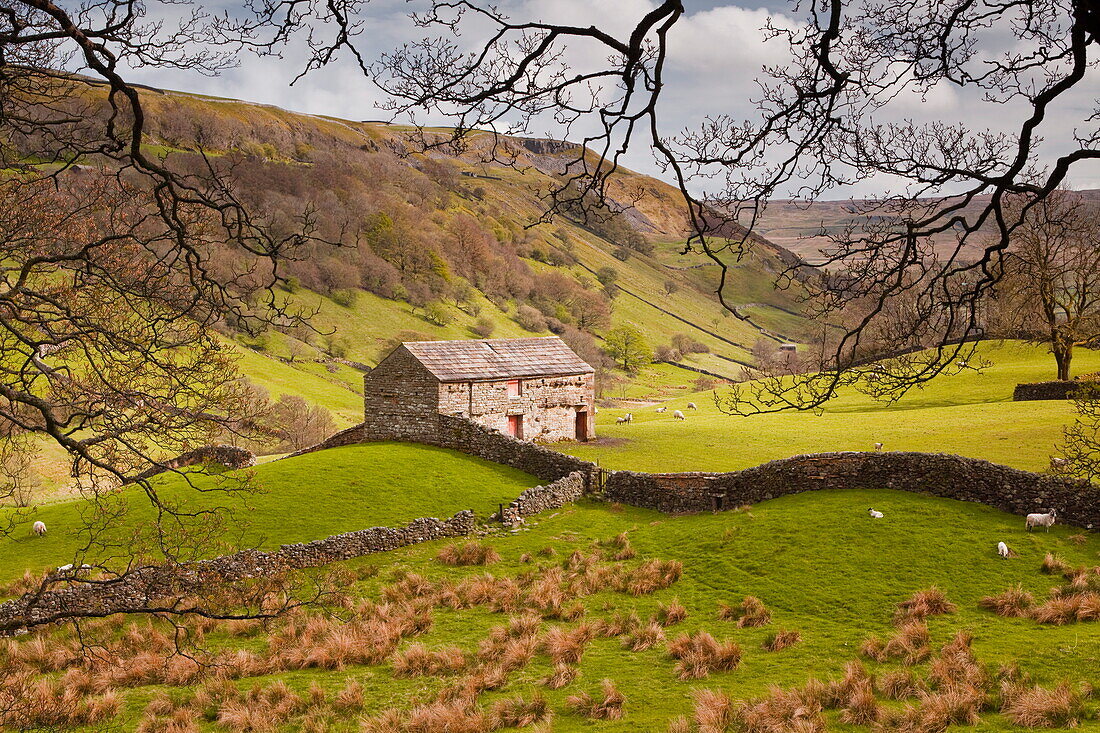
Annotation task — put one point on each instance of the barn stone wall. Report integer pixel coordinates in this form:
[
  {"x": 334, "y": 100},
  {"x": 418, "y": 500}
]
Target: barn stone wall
[
  {"x": 549, "y": 405},
  {"x": 400, "y": 398},
  {"x": 952, "y": 477}
]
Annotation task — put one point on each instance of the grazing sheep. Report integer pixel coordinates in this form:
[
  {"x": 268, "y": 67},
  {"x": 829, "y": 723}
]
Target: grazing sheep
[
  {"x": 679, "y": 415},
  {"x": 1040, "y": 520},
  {"x": 1002, "y": 550},
  {"x": 39, "y": 528},
  {"x": 962, "y": 364},
  {"x": 878, "y": 446},
  {"x": 621, "y": 420},
  {"x": 1057, "y": 464},
  {"x": 662, "y": 409},
  {"x": 630, "y": 417},
  {"x": 874, "y": 514},
  {"x": 691, "y": 406}
]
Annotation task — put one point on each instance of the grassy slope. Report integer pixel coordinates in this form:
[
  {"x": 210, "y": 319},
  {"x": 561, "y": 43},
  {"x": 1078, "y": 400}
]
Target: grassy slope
[
  {"x": 970, "y": 414},
  {"x": 816, "y": 560},
  {"x": 304, "y": 498}
]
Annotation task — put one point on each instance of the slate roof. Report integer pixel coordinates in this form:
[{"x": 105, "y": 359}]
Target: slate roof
[{"x": 491, "y": 359}]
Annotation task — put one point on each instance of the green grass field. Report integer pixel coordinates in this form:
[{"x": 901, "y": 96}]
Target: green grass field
[
  {"x": 971, "y": 414},
  {"x": 306, "y": 498}
]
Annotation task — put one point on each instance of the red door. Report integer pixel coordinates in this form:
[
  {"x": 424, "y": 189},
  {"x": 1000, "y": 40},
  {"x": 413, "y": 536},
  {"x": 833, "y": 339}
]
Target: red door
[
  {"x": 515, "y": 426},
  {"x": 582, "y": 426}
]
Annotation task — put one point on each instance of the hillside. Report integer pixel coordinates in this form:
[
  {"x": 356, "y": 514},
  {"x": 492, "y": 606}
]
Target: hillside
[
  {"x": 804, "y": 229},
  {"x": 447, "y": 239}
]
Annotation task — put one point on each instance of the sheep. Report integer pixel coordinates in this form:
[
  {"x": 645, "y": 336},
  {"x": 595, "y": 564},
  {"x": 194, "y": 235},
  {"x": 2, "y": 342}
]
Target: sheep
[
  {"x": 878, "y": 446},
  {"x": 621, "y": 420},
  {"x": 962, "y": 364},
  {"x": 630, "y": 417},
  {"x": 1002, "y": 550},
  {"x": 678, "y": 415},
  {"x": 692, "y": 406},
  {"x": 1057, "y": 464},
  {"x": 1040, "y": 520},
  {"x": 662, "y": 409},
  {"x": 874, "y": 514},
  {"x": 39, "y": 528}
]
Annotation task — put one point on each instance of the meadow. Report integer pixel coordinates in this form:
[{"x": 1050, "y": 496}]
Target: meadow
[{"x": 970, "y": 414}]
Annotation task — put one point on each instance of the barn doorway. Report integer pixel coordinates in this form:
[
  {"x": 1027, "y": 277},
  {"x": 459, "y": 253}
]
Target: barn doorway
[
  {"x": 582, "y": 426},
  {"x": 515, "y": 426}
]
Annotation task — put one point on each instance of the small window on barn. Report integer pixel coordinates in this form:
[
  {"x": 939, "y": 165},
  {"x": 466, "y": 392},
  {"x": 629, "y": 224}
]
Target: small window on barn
[{"x": 515, "y": 388}]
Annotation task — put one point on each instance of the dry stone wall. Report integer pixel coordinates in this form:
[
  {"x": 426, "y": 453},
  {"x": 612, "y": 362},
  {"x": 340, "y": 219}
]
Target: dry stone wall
[
  {"x": 1061, "y": 390},
  {"x": 948, "y": 476},
  {"x": 148, "y": 586},
  {"x": 231, "y": 457},
  {"x": 538, "y": 499}
]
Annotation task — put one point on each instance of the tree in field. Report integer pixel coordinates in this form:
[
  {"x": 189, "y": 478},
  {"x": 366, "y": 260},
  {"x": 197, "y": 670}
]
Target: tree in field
[
  {"x": 669, "y": 287},
  {"x": 627, "y": 346},
  {"x": 1050, "y": 291}
]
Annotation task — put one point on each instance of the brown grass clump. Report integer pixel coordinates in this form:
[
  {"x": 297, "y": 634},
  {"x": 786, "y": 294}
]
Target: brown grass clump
[
  {"x": 419, "y": 661},
  {"x": 468, "y": 553},
  {"x": 518, "y": 712},
  {"x": 652, "y": 576},
  {"x": 862, "y": 707},
  {"x": 781, "y": 639},
  {"x": 934, "y": 712},
  {"x": 618, "y": 624},
  {"x": 1058, "y": 611},
  {"x": 566, "y": 646},
  {"x": 699, "y": 654},
  {"x": 671, "y": 613},
  {"x": 260, "y": 709},
  {"x": 560, "y": 676},
  {"x": 1038, "y": 707},
  {"x": 910, "y": 643},
  {"x": 1054, "y": 564},
  {"x": 713, "y": 711},
  {"x": 1014, "y": 602},
  {"x": 748, "y": 613},
  {"x": 782, "y": 711},
  {"x": 899, "y": 685},
  {"x": 349, "y": 698},
  {"x": 956, "y": 666},
  {"x": 927, "y": 602},
  {"x": 644, "y": 637},
  {"x": 608, "y": 705}
]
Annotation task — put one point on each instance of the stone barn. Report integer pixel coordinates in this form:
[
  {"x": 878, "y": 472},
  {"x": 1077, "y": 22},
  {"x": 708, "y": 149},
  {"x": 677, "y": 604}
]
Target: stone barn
[{"x": 529, "y": 388}]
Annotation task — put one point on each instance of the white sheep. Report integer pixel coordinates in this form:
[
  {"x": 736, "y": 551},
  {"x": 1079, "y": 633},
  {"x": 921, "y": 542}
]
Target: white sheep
[
  {"x": 878, "y": 446},
  {"x": 662, "y": 409},
  {"x": 1040, "y": 520},
  {"x": 39, "y": 528},
  {"x": 630, "y": 417},
  {"x": 1002, "y": 550},
  {"x": 679, "y": 415},
  {"x": 1057, "y": 464},
  {"x": 962, "y": 364},
  {"x": 874, "y": 514},
  {"x": 621, "y": 420},
  {"x": 692, "y": 406}
]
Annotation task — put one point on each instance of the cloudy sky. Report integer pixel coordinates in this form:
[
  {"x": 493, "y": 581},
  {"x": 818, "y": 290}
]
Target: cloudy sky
[{"x": 716, "y": 53}]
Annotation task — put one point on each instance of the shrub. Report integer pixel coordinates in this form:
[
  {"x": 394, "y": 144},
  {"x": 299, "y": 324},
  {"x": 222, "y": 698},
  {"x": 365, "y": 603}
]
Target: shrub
[
  {"x": 438, "y": 314},
  {"x": 530, "y": 319},
  {"x": 468, "y": 553},
  {"x": 345, "y": 297},
  {"x": 607, "y": 706},
  {"x": 483, "y": 327}
]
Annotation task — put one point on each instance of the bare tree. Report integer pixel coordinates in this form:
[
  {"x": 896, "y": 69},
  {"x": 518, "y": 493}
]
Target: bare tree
[{"x": 1050, "y": 292}]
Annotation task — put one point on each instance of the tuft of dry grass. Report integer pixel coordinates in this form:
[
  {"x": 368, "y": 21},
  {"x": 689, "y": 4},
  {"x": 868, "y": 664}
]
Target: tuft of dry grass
[
  {"x": 606, "y": 705},
  {"x": 349, "y": 698},
  {"x": 781, "y": 639},
  {"x": 782, "y": 711},
  {"x": 671, "y": 613},
  {"x": 1054, "y": 564},
  {"x": 713, "y": 711},
  {"x": 651, "y": 576},
  {"x": 1038, "y": 707},
  {"x": 1014, "y": 602},
  {"x": 899, "y": 685},
  {"x": 927, "y": 602},
  {"x": 644, "y": 637},
  {"x": 566, "y": 646},
  {"x": 750, "y": 612},
  {"x": 618, "y": 624},
  {"x": 560, "y": 676},
  {"x": 519, "y": 712},
  {"x": 699, "y": 654},
  {"x": 419, "y": 661},
  {"x": 468, "y": 553}
]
